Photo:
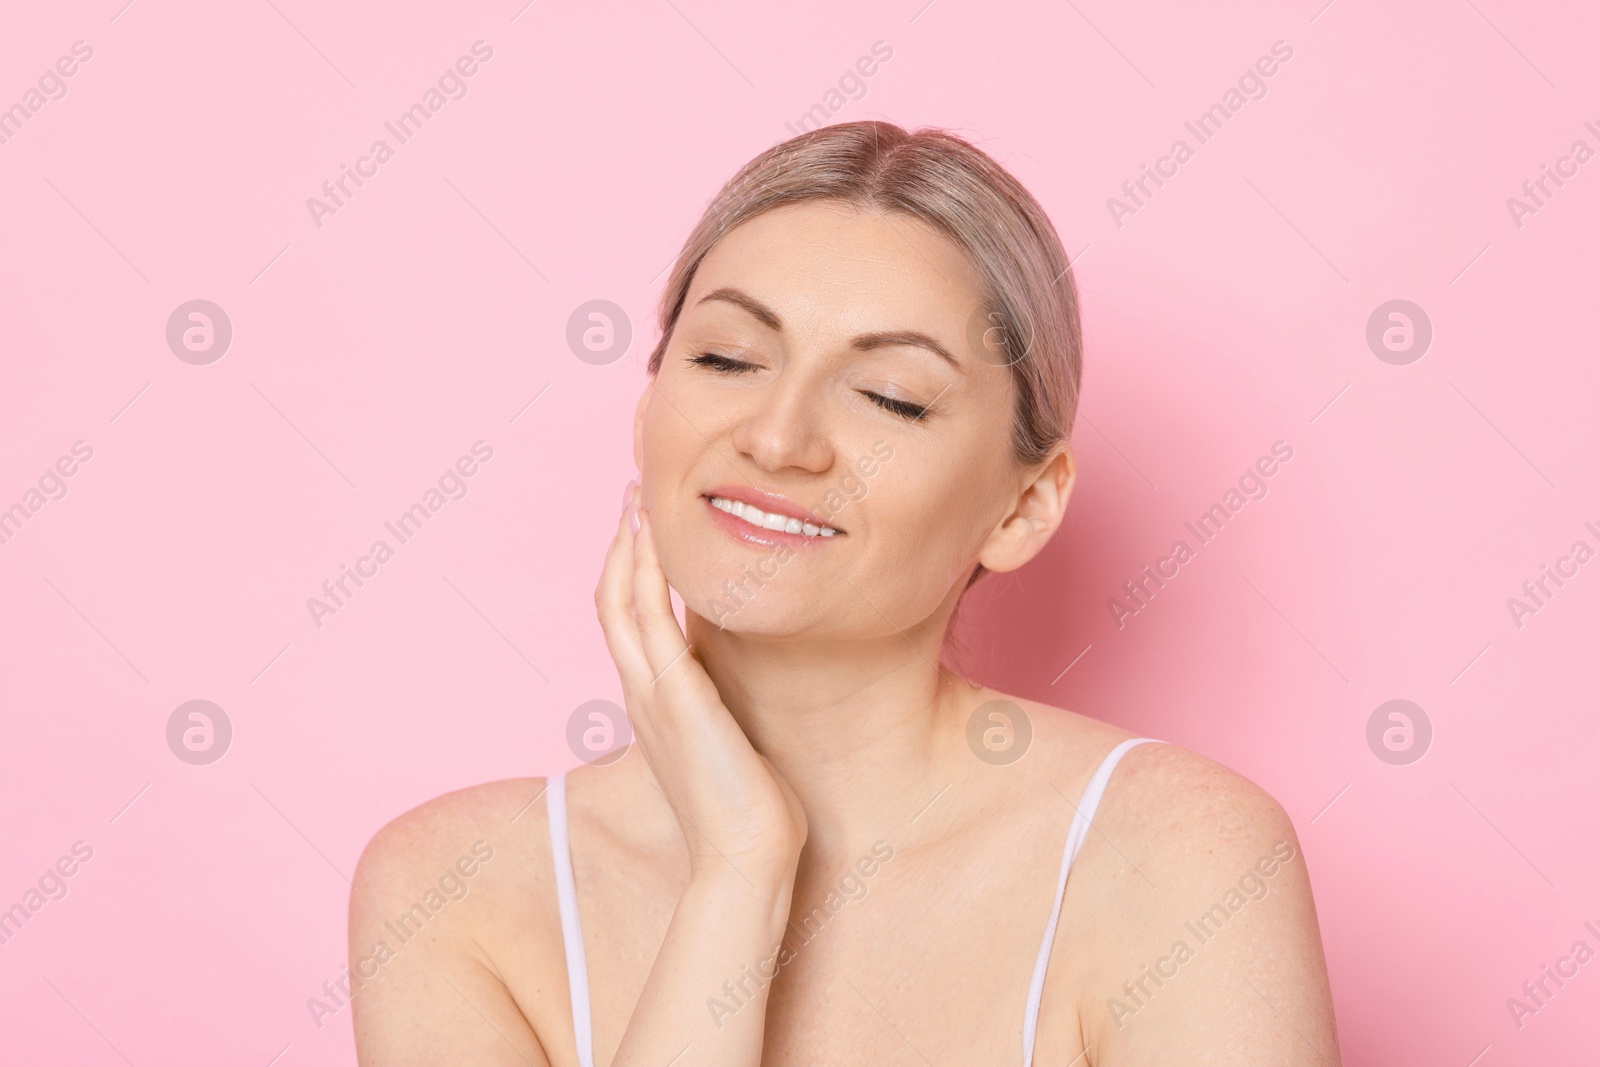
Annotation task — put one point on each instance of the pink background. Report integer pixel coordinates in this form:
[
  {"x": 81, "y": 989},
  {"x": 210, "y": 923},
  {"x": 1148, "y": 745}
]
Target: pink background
[{"x": 1228, "y": 313}]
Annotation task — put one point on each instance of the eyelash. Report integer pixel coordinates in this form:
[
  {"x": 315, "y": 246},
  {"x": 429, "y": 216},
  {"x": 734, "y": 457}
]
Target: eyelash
[{"x": 903, "y": 408}]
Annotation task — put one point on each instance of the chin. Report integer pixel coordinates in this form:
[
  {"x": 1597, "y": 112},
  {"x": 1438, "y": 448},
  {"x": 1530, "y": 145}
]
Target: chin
[
  {"x": 744, "y": 603},
  {"x": 748, "y": 585}
]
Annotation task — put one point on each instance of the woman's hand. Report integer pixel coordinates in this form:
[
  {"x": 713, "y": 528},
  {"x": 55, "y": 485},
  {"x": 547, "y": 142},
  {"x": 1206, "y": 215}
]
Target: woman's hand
[{"x": 734, "y": 809}]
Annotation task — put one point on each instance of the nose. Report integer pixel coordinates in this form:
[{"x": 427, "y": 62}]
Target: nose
[{"x": 784, "y": 425}]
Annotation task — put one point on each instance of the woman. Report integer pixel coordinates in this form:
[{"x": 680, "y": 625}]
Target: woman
[{"x": 824, "y": 845}]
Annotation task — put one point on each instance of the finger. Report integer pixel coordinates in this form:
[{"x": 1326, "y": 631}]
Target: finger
[
  {"x": 684, "y": 700},
  {"x": 677, "y": 675},
  {"x": 614, "y": 606},
  {"x": 662, "y": 637}
]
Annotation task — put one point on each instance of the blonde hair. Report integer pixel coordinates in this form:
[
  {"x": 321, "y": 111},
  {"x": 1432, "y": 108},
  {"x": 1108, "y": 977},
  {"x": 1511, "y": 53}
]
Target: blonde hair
[{"x": 1030, "y": 307}]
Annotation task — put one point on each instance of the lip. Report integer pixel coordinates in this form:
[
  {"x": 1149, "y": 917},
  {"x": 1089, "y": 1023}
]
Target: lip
[{"x": 773, "y": 503}]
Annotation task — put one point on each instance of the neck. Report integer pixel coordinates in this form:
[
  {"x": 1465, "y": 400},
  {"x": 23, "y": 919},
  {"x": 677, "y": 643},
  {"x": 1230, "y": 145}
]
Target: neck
[{"x": 865, "y": 730}]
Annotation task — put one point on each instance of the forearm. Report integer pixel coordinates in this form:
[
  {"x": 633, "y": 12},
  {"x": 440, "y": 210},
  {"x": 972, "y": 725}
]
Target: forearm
[{"x": 726, "y": 929}]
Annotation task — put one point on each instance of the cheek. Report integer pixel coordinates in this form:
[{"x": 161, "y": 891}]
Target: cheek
[
  {"x": 662, "y": 478},
  {"x": 926, "y": 533},
  {"x": 668, "y": 448}
]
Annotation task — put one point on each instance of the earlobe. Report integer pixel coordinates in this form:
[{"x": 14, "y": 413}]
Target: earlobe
[{"x": 1037, "y": 515}]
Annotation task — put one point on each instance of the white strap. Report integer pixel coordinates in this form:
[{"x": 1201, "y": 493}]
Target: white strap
[
  {"x": 1075, "y": 838},
  {"x": 571, "y": 932}
]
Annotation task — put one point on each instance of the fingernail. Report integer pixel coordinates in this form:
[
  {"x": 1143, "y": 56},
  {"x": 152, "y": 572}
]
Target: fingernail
[{"x": 630, "y": 508}]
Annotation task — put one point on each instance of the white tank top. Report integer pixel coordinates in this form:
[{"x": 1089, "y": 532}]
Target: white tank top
[{"x": 572, "y": 933}]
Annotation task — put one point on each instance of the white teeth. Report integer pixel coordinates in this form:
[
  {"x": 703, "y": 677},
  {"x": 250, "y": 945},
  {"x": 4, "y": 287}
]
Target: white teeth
[{"x": 770, "y": 521}]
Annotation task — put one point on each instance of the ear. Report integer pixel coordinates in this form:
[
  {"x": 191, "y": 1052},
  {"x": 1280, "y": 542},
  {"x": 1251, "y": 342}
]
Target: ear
[
  {"x": 638, "y": 424},
  {"x": 1036, "y": 516}
]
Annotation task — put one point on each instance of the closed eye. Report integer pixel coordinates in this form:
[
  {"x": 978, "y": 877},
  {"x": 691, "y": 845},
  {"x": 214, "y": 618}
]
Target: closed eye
[
  {"x": 904, "y": 408},
  {"x": 722, "y": 363}
]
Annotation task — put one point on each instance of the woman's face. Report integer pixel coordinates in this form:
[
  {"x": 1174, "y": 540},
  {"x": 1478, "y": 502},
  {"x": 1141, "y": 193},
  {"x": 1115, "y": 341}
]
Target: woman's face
[{"x": 823, "y": 371}]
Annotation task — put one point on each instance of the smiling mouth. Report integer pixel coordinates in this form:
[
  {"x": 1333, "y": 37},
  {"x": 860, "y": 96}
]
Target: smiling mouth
[{"x": 766, "y": 520}]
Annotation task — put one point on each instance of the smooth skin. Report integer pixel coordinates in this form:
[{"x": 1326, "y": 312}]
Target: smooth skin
[{"x": 778, "y": 757}]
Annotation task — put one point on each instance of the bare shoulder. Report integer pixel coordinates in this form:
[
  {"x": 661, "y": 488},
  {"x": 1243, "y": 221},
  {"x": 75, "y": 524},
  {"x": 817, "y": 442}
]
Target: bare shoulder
[
  {"x": 445, "y": 923},
  {"x": 1191, "y": 810},
  {"x": 1177, "y": 808},
  {"x": 493, "y": 811},
  {"x": 475, "y": 844},
  {"x": 1207, "y": 947},
  {"x": 1160, "y": 796},
  {"x": 1175, "y": 827}
]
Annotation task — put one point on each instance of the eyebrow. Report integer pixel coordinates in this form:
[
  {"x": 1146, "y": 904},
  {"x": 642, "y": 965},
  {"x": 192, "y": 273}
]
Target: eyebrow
[{"x": 865, "y": 342}]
